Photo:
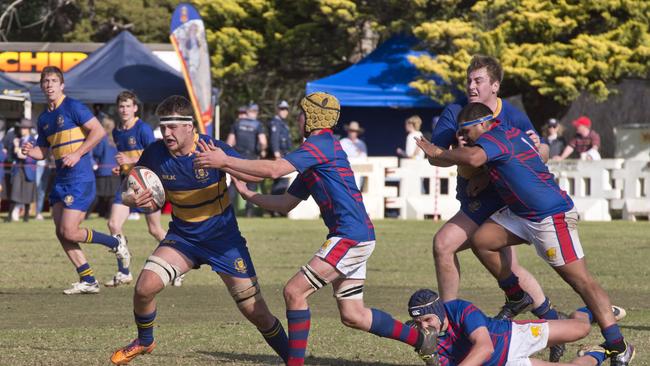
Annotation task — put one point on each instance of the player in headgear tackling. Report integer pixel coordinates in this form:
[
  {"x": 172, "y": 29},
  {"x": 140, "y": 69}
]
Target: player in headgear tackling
[
  {"x": 203, "y": 230},
  {"x": 325, "y": 174}
]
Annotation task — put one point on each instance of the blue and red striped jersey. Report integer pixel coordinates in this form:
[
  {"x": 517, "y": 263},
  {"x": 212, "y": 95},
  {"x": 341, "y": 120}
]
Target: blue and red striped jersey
[
  {"x": 325, "y": 174},
  {"x": 464, "y": 318},
  {"x": 520, "y": 176}
]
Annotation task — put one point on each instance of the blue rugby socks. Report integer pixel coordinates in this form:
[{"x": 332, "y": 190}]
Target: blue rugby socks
[
  {"x": 145, "y": 327},
  {"x": 299, "y": 324},
  {"x": 586, "y": 310},
  {"x": 86, "y": 273},
  {"x": 121, "y": 268},
  {"x": 546, "y": 311},
  {"x": 277, "y": 339},
  {"x": 93, "y": 236},
  {"x": 384, "y": 325},
  {"x": 614, "y": 340},
  {"x": 511, "y": 287}
]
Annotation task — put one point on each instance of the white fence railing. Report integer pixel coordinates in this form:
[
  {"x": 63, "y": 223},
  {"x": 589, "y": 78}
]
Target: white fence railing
[{"x": 413, "y": 189}]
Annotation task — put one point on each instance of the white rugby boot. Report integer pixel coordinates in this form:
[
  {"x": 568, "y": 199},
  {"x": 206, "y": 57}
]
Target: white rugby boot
[
  {"x": 119, "y": 279},
  {"x": 122, "y": 250},
  {"x": 82, "y": 288}
]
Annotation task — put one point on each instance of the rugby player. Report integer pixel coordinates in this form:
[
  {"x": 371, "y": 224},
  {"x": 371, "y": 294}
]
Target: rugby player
[
  {"x": 325, "y": 174},
  {"x": 203, "y": 230},
  {"x": 478, "y": 198},
  {"x": 131, "y": 137},
  {"x": 467, "y": 337},
  {"x": 537, "y": 212},
  {"x": 70, "y": 131}
]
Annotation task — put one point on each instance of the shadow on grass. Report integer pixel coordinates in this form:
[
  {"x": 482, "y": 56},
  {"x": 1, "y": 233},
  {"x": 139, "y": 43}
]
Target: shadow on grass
[
  {"x": 309, "y": 360},
  {"x": 635, "y": 327}
]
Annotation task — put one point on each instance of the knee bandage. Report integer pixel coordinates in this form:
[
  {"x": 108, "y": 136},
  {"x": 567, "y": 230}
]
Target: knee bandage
[
  {"x": 246, "y": 293},
  {"x": 314, "y": 278},
  {"x": 351, "y": 292},
  {"x": 167, "y": 272}
]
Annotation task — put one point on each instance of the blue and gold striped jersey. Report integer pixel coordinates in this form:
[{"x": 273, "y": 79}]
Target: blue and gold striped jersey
[
  {"x": 61, "y": 131},
  {"x": 201, "y": 210},
  {"x": 134, "y": 140}
]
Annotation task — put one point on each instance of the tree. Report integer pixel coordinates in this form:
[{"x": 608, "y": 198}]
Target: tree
[{"x": 551, "y": 50}]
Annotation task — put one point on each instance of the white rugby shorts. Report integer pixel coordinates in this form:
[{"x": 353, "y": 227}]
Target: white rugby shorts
[
  {"x": 348, "y": 256},
  {"x": 555, "y": 237},
  {"x": 528, "y": 338}
]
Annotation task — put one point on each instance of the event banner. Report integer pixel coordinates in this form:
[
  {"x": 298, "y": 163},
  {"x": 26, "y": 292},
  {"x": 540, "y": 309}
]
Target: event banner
[{"x": 188, "y": 38}]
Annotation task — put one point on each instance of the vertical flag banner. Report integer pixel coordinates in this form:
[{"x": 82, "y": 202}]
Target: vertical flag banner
[{"x": 188, "y": 38}]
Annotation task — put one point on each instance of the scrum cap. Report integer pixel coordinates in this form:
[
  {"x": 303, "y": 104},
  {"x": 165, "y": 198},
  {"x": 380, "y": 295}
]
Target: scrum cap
[
  {"x": 425, "y": 301},
  {"x": 321, "y": 110}
]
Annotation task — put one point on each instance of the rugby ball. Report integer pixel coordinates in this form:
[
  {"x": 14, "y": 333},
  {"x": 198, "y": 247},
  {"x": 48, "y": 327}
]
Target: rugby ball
[{"x": 141, "y": 178}]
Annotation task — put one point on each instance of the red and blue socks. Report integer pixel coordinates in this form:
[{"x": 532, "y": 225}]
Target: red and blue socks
[
  {"x": 145, "y": 328},
  {"x": 614, "y": 340},
  {"x": 546, "y": 311},
  {"x": 86, "y": 273},
  {"x": 511, "y": 287},
  {"x": 299, "y": 323},
  {"x": 383, "y": 325},
  {"x": 277, "y": 339}
]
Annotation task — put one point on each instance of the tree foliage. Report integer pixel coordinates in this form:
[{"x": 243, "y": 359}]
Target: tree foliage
[{"x": 551, "y": 50}]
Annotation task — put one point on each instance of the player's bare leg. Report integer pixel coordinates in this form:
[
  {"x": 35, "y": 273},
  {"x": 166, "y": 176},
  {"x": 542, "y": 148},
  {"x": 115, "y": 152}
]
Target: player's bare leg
[
  {"x": 248, "y": 297},
  {"x": 162, "y": 266},
  {"x": 67, "y": 231},
  {"x": 119, "y": 214},
  {"x": 153, "y": 224},
  {"x": 452, "y": 237}
]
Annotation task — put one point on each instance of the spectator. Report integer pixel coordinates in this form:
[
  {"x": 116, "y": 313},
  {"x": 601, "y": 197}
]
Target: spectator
[
  {"x": 249, "y": 140},
  {"x": 585, "y": 142},
  {"x": 553, "y": 132},
  {"x": 412, "y": 126},
  {"x": 23, "y": 173},
  {"x": 280, "y": 142},
  {"x": 3, "y": 156},
  {"x": 106, "y": 182},
  {"x": 352, "y": 145},
  {"x": 43, "y": 170}
]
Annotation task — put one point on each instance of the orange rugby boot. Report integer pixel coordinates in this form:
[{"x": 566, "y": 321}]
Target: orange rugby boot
[{"x": 124, "y": 355}]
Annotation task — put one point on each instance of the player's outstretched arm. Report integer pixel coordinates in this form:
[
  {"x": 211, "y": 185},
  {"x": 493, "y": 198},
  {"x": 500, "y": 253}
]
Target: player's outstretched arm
[
  {"x": 482, "y": 348},
  {"x": 34, "y": 152},
  {"x": 280, "y": 203}
]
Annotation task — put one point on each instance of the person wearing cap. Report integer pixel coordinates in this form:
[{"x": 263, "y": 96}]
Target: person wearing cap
[
  {"x": 324, "y": 173},
  {"x": 538, "y": 212},
  {"x": 280, "y": 143},
  {"x": 466, "y": 336},
  {"x": 23, "y": 172},
  {"x": 203, "y": 230},
  {"x": 552, "y": 135},
  {"x": 585, "y": 143},
  {"x": 248, "y": 137},
  {"x": 352, "y": 145}
]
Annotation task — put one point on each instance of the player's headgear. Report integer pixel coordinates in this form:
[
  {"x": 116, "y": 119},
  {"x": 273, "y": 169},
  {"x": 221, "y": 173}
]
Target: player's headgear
[
  {"x": 473, "y": 114},
  {"x": 425, "y": 301},
  {"x": 181, "y": 120},
  {"x": 321, "y": 111}
]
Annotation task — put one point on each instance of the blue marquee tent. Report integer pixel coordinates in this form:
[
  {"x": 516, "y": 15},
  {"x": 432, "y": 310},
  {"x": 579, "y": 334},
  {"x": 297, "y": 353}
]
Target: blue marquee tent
[
  {"x": 375, "y": 93},
  {"x": 379, "y": 80},
  {"x": 122, "y": 63},
  {"x": 7, "y": 83}
]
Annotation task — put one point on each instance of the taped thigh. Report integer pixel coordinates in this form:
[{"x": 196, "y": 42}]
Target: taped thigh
[
  {"x": 350, "y": 292},
  {"x": 245, "y": 294},
  {"x": 166, "y": 271},
  {"x": 316, "y": 281}
]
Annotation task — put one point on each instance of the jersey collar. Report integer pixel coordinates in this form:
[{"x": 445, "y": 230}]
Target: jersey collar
[
  {"x": 321, "y": 131},
  {"x": 57, "y": 104}
]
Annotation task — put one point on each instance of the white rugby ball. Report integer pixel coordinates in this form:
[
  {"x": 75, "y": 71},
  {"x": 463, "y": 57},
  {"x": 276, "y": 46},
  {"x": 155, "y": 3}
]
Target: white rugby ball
[{"x": 141, "y": 178}]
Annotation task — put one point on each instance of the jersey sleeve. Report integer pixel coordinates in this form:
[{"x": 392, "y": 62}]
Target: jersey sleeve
[
  {"x": 227, "y": 149},
  {"x": 260, "y": 128},
  {"x": 494, "y": 146},
  {"x": 41, "y": 141},
  {"x": 444, "y": 134},
  {"x": 306, "y": 156},
  {"x": 298, "y": 188},
  {"x": 146, "y": 159},
  {"x": 146, "y": 135},
  {"x": 81, "y": 114},
  {"x": 521, "y": 121},
  {"x": 468, "y": 315}
]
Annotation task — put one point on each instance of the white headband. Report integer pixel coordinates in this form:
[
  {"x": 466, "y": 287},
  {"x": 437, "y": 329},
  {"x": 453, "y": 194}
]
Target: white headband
[{"x": 171, "y": 120}]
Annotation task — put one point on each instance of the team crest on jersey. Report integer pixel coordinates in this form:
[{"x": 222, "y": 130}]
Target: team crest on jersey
[
  {"x": 473, "y": 206},
  {"x": 551, "y": 253},
  {"x": 59, "y": 121},
  {"x": 201, "y": 174},
  {"x": 131, "y": 141},
  {"x": 240, "y": 265},
  {"x": 68, "y": 200}
]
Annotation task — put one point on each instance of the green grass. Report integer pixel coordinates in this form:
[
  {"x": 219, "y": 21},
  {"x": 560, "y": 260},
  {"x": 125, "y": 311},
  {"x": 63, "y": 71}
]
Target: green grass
[{"x": 198, "y": 324}]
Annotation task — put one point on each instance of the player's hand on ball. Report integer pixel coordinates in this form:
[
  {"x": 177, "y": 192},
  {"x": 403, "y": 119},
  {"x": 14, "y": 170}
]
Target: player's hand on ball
[
  {"x": 210, "y": 156},
  {"x": 429, "y": 149},
  {"x": 141, "y": 199}
]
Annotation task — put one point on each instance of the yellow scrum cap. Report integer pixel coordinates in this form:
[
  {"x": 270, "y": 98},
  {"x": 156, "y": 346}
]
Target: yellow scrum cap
[{"x": 321, "y": 111}]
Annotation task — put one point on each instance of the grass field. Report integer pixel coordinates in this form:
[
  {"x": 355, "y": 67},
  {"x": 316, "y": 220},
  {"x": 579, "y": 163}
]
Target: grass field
[{"x": 198, "y": 324}]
